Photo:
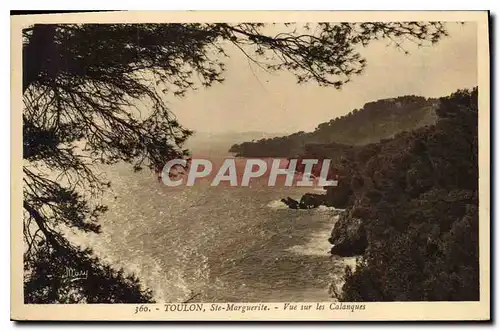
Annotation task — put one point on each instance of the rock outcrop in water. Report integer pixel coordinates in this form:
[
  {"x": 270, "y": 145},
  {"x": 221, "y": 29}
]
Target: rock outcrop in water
[
  {"x": 348, "y": 236},
  {"x": 291, "y": 203},
  {"x": 308, "y": 201},
  {"x": 311, "y": 200},
  {"x": 338, "y": 197}
]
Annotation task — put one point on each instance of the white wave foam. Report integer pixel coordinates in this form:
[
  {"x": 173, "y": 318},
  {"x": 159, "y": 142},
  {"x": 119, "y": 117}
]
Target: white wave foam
[
  {"x": 337, "y": 278},
  {"x": 167, "y": 284},
  {"x": 351, "y": 262},
  {"x": 326, "y": 208},
  {"x": 277, "y": 204},
  {"x": 317, "y": 245}
]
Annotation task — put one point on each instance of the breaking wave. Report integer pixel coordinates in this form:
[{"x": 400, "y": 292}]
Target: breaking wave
[{"x": 277, "y": 204}]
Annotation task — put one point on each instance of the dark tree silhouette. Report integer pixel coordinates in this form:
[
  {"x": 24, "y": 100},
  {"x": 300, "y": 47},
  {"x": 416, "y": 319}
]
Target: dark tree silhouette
[
  {"x": 419, "y": 207},
  {"x": 82, "y": 84}
]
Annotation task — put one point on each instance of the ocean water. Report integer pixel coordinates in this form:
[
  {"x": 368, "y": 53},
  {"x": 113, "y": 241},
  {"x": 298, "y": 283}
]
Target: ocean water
[{"x": 218, "y": 244}]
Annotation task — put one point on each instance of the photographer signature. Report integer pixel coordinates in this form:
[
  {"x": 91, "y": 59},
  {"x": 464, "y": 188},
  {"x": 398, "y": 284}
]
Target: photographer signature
[{"x": 73, "y": 274}]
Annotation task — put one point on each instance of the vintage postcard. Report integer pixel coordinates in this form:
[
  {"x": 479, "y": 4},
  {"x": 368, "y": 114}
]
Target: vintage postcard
[{"x": 253, "y": 166}]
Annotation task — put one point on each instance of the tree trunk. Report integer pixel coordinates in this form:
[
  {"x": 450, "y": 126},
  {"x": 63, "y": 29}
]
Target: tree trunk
[{"x": 38, "y": 53}]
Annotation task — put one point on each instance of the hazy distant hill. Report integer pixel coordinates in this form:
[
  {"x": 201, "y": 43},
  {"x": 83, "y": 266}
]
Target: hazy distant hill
[
  {"x": 375, "y": 121},
  {"x": 219, "y": 143}
]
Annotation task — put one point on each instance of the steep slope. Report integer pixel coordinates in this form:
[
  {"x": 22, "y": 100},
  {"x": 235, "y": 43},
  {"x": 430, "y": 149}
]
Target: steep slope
[
  {"x": 415, "y": 199},
  {"x": 375, "y": 121}
]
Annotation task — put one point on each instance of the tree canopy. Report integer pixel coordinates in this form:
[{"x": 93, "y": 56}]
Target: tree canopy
[
  {"x": 419, "y": 205},
  {"x": 82, "y": 84}
]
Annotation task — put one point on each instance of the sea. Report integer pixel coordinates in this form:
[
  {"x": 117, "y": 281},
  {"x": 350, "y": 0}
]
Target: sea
[{"x": 216, "y": 244}]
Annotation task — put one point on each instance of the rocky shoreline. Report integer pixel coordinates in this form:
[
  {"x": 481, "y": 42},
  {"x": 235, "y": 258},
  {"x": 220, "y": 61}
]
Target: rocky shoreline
[{"x": 348, "y": 235}]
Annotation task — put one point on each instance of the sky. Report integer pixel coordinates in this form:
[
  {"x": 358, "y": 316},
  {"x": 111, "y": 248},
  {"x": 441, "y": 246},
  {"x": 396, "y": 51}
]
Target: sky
[{"x": 251, "y": 99}]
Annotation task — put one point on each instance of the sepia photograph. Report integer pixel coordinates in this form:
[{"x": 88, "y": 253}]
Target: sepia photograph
[{"x": 258, "y": 166}]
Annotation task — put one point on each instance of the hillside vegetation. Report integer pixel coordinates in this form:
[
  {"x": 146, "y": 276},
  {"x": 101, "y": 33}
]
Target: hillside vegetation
[
  {"x": 375, "y": 121},
  {"x": 411, "y": 195},
  {"x": 417, "y": 198}
]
